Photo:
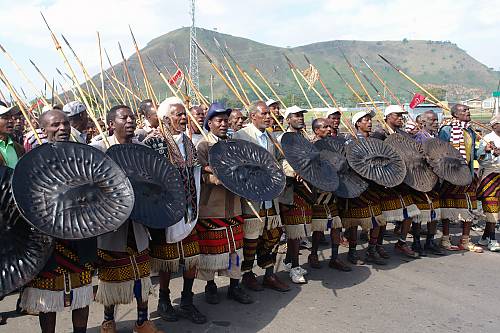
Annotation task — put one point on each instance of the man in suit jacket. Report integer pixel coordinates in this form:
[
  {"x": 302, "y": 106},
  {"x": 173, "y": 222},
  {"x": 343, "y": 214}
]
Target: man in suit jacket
[{"x": 260, "y": 238}]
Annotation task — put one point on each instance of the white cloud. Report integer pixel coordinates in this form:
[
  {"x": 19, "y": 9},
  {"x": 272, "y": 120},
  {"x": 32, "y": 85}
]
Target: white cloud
[{"x": 473, "y": 25}]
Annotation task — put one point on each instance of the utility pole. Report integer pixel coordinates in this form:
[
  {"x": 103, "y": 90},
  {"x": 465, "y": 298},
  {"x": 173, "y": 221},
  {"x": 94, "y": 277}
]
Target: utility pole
[{"x": 193, "y": 55}]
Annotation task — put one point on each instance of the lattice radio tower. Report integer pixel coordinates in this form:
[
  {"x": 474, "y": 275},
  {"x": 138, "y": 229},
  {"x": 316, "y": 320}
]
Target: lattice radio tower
[{"x": 193, "y": 55}]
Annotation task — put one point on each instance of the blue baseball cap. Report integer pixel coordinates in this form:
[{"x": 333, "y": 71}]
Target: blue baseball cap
[{"x": 215, "y": 109}]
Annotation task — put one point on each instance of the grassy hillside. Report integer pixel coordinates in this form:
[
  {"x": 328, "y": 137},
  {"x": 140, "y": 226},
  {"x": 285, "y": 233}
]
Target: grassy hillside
[{"x": 441, "y": 64}]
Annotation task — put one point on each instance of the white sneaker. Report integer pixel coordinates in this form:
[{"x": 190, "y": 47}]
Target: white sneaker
[
  {"x": 296, "y": 276},
  {"x": 484, "y": 242},
  {"x": 288, "y": 268},
  {"x": 306, "y": 244},
  {"x": 494, "y": 246}
]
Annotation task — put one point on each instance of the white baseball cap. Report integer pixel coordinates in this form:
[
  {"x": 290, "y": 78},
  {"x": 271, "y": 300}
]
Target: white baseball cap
[
  {"x": 294, "y": 109},
  {"x": 393, "y": 109},
  {"x": 271, "y": 102},
  {"x": 357, "y": 116},
  {"x": 332, "y": 111},
  {"x": 74, "y": 108},
  {"x": 5, "y": 109}
]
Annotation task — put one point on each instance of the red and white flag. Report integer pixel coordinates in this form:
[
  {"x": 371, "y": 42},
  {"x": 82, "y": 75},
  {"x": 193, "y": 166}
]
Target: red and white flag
[
  {"x": 175, "y": 77},
  {"x": 417, "y": 99}
]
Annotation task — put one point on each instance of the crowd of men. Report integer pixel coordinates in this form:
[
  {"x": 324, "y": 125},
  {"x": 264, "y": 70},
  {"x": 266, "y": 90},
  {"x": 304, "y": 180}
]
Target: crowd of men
[{"x": 220, "y": 232}]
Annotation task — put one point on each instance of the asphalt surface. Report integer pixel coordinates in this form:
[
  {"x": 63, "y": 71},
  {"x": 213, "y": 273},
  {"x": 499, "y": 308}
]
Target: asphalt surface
[{"x": 454, "y": 293}]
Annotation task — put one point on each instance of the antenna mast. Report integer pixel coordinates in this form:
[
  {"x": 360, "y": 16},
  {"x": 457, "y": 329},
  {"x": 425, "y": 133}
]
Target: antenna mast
[{"x": 193, "y": 55}]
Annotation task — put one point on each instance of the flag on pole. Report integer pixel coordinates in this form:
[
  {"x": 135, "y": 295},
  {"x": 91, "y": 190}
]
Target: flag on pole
[
  {"x": 417, "y": 99},
  {"x": 175, "y": 77}
]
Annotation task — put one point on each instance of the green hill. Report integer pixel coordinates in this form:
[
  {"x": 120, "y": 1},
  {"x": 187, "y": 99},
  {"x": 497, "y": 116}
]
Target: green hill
[{"x": 439, "y": 64}]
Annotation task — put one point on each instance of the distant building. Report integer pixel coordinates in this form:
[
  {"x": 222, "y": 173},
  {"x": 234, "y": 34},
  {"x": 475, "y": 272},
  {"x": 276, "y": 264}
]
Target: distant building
[
  {"x": 488, "y": 104},
  {"x": 473, "y": 103},
  {"x": 379, "y": 104}
]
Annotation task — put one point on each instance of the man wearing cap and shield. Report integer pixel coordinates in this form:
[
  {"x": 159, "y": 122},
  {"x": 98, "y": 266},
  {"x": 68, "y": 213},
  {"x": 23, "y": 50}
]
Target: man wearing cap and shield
[
  {"x": 397, "y": 203},
  {"x": 427, "y": 202},
  {"x": 260, "y": 239},
  {"x": 458, "y": 203},
  {"x": 364, "y": 211},
  {"x": 393, "y": 123},
  {"x": 78, "y": 119},
  {"x": 325, "y": 214},
  {"x": 66, "y": 279},
  {"x": 124, "y": 263},
  {"x": 488, "y": 190},
  {"x": 295, "y": 203},
  {"x": 220, "y": 224},
  {"x": 177, "y": 246},
  {"x": 10, "y": 151}
]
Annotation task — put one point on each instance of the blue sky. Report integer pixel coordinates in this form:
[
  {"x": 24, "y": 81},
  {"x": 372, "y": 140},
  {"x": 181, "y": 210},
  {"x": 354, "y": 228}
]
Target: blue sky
[{"x": 473, "y": 25}]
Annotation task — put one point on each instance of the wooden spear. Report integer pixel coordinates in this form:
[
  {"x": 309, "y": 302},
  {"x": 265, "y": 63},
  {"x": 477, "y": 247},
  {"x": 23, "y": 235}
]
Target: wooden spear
[
  {"x": 244, "y": 74},
  {"x": 149, "y": 88},
  {"x": 292, "y": 69},
  {"x": 93, "y": 89},
  {"x": 188, "y": 112},
  {"x": 266, "y": 82},
  {"x": 252, "y": 82},
  {"x": 364, "y": 88},
  {"x": 113, "y": 74},
  {"x": 21, "y": 105},
  {"x": 51, "y": 87},
  {"x": 217, "y": 70},
  {"x": 103, "y": 94},
  {"x": 90, "y": 111},
  {"x": 127, "y": 74},
  {"x": 415, "y": 83},
  {"x": 231, "y": 69},
  {"x": 383, "y": 83},
  {"x": 344, "y": 122},
  {"x": 24, "y": 76},
  {"x": 66, "y": 98},
  {"x": 2, "y": 96},
  {"x": 116, "y": 96},
  {"x": 436, "y": 101},
  {"x": 353, "y": 91}
]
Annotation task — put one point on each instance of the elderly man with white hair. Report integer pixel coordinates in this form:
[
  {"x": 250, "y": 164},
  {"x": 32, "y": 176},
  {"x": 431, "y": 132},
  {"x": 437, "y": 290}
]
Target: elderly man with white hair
[{"x": 177, "y": 246}]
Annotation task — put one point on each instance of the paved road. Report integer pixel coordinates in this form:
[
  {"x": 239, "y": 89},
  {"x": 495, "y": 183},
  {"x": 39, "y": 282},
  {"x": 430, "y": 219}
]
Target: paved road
[{"x": 455, "y": 293}]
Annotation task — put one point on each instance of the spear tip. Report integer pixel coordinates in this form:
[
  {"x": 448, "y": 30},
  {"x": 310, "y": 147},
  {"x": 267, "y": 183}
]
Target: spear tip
[
  {"x": 133, "y": 37},
  {"x": 201, "y": 49},
  {"x": 216, "y": 41},
  {"x": 65, "y": 40},
  {"x": 366, "y": 63},
  {"x": 290, "y": 64},
  {"x": 1, "y": 48},
  {"x": 345, "y": 57},
  {"x": 307, "y": 59},
  {"x": 154, "y": 64}
]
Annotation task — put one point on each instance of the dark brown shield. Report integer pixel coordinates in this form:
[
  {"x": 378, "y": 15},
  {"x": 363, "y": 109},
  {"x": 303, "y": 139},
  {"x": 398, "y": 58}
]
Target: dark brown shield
[
  {"x": 447, "y": 162},
  {"x": 71, "y": 190},
  {"x": 376, "y": 161},
  {"x": 24, "y": 250},
  {"x": 419, "y": 174},
  {"x": 247, "y": 170}
]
